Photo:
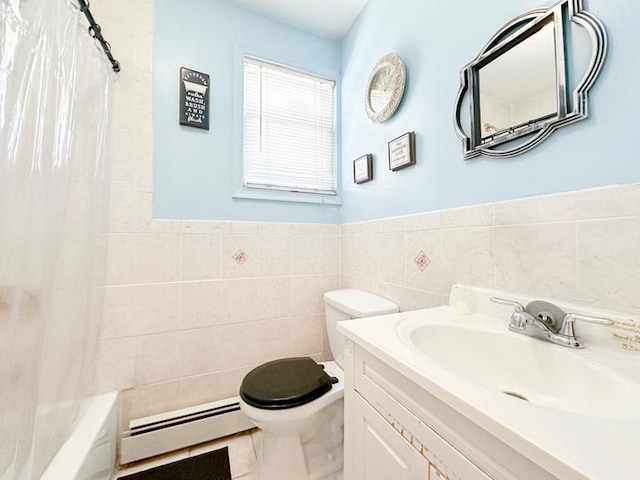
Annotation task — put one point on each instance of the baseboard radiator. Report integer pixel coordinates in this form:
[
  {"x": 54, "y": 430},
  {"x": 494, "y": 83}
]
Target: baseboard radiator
[{"x": 170, "y": 431}]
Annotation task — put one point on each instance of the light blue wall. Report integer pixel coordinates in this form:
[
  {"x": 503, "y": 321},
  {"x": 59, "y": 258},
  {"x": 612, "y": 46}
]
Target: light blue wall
[
  {"x": 436, "y": 39},
  {"x": 193, "y": 170}
]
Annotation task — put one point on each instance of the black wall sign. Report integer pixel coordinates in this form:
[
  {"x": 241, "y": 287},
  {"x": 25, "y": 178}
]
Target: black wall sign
[{"x": 194, "y": 98}]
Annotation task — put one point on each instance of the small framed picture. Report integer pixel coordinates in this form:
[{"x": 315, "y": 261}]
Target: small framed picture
[
  {"x": 194, "y": 98},
  {"x": 363, "y": 169},
  {"x": 402, "y": 151}
]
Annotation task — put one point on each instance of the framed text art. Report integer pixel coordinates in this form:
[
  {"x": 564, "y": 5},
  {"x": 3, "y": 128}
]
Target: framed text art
[
  {"x": 402, "y": 151},
  {"x": 363, "y": 169},
  {"x": 194, "y": 99}
]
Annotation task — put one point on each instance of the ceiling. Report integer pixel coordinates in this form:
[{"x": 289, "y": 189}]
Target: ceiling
[{"x": 327, "y": 18}]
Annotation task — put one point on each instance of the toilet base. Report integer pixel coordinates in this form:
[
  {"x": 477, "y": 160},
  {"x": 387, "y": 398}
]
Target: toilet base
[
  {"x": 314, "y": 454},
  {"x": 281, "y": 457}
]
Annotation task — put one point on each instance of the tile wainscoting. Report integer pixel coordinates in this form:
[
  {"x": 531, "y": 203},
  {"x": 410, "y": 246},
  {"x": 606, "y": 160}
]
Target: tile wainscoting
[
  {"x": 581, "y": 246},
  {"x": 189, "y": 311}
]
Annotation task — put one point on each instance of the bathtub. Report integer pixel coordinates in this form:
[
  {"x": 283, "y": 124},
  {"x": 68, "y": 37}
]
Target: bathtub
[{"x": 89, "y": 453}]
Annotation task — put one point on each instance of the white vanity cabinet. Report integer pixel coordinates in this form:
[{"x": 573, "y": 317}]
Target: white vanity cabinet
[
  {"x": 381, "y": 452},
  {"x": 396, "y": 430}
]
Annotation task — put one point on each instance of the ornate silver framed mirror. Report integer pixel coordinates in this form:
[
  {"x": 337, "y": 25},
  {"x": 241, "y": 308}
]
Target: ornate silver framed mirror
[
  {"x": 385, "y": 88},
  {"x": 530, "y": 79}
]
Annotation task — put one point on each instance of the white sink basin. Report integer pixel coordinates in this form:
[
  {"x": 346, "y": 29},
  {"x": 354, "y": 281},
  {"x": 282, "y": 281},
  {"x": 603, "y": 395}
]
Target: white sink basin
[{"x": 527, "y": 369}]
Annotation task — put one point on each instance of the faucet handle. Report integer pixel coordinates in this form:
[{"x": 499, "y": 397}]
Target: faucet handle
[
  {"x": 572, "y": 317},
  {"x": 512, "y": 303},
  {"x": 519, "y": 318},
  {"x": 567, "y": 327}
]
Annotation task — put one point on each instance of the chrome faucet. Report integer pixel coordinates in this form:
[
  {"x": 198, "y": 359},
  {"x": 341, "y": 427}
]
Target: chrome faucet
[{"x": 545, "y": 320}]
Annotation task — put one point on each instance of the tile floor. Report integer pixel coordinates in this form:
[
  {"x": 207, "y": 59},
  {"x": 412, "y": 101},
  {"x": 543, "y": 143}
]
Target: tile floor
[{"x": 242, "y": 457}]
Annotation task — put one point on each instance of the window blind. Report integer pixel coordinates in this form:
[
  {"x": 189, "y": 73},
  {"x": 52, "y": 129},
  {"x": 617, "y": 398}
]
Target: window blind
[{"x": 288, "y": 134}]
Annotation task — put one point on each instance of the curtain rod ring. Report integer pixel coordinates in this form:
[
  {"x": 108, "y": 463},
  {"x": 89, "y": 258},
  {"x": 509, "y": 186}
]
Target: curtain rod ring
[{"x": 95, "y": 30}]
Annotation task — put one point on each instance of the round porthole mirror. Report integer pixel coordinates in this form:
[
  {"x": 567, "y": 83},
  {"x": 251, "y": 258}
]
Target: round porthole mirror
[{"x": 385, "y": 88}]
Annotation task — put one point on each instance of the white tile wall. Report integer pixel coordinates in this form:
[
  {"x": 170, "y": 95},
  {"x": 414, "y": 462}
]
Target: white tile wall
[
  {"x": 201, "y": 304},
  {"x": 273, "y": 294},
  {"x": 539, "y": 259},
  {"x": 132, "y": 310},
  {"x": 196, "y": 389},
  {"x": 158, "y": 358},
  {"x": 467, "y": 256},
  {"x": 608, "y": 259},
  {"x": 580, "y": 246},
  {"x": 200, "y": 351},
  {"x": 178, "y": 323},
  {"x": 201, "y": 257}
]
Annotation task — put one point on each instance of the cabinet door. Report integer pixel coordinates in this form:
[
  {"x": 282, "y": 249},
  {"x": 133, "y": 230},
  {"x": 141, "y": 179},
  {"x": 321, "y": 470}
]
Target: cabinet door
[
  {"x": 381, "y": 452},
  {"x": 435, "y": 474}
]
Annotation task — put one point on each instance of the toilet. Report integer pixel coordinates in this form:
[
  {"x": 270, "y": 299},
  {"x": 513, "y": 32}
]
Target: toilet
[{"x": 298, "y": 403}]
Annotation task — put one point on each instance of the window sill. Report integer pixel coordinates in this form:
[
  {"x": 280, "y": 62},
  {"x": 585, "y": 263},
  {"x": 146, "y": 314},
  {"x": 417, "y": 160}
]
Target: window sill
[{"x": 281, "y": 196}]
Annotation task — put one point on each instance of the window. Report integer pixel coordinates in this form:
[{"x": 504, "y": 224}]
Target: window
[{"x": 288, "y": 130}]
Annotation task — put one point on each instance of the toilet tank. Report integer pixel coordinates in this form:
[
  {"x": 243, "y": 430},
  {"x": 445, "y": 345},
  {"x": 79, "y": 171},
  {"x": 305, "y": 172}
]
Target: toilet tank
[{"x": 347, "y": 304}]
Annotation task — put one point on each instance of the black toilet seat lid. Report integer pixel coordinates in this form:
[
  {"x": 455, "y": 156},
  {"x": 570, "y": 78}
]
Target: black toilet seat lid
[{"x": 285, "y": 383}]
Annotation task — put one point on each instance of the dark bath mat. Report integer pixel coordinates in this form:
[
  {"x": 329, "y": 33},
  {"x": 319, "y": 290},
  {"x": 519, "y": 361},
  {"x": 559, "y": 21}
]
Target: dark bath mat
[{"x": 208, "y": 466}]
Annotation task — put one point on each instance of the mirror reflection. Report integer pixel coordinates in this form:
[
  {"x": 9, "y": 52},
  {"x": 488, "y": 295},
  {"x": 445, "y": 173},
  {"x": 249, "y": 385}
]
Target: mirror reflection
[
  {"x": 519, "y": 86},
  {"x": 381, "y": 89},
  {"x": 529, "y": 80}
]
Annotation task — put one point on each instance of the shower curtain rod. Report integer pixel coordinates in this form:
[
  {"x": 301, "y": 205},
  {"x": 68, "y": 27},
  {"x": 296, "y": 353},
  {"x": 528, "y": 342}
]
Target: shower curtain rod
[{"x": 96, "y": 32}]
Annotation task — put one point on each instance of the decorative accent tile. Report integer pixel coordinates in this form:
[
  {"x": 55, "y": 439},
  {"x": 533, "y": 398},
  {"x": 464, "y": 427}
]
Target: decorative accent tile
[
  {"x": 240, "y": 257},
  {"x": 236, "y": 261},
  {"x": 422, "y": 261}
]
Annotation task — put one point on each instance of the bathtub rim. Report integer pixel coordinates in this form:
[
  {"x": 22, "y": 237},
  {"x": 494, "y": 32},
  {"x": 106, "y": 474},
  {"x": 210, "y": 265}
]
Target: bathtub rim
[{"x": 96, "y": 414}]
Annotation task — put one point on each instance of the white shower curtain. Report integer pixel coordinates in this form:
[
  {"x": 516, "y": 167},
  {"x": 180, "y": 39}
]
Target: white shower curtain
[{"x": 54, "y": 97}]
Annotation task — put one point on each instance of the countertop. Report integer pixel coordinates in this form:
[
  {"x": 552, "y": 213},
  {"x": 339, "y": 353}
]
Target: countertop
[{"x": 567, "y": 445}]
